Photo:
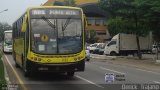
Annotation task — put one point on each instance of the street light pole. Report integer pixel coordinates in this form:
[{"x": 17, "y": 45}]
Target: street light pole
[
  {"x": 1, "y": 32},
  {"x": 4, "y": 10}
]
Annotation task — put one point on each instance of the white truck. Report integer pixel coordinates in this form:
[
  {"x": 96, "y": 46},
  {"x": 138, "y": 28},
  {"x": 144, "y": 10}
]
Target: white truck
[{"x": 124, "y": 44}]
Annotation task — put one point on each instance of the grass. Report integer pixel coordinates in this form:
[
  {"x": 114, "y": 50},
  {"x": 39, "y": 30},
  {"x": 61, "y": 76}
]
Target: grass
[{"x": 2, "y": 77}]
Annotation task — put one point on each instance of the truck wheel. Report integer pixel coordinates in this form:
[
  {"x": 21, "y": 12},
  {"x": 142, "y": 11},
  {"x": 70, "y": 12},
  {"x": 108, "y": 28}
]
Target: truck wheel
[
  {"x": 113, "y": 53},
  {"x": 135, "y": 54},
  {"x": 124, "y": 54}
]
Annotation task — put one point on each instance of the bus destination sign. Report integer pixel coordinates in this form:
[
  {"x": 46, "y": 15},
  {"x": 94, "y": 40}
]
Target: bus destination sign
[{"x": 54, "y": 12}]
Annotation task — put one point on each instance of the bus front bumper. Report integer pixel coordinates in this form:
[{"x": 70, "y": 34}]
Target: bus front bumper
[
  {"x": 7, "y": 50},
  {"x": 67, "y": 67}
]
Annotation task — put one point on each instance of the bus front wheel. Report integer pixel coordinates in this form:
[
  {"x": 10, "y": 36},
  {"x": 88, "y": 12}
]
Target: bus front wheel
[
  {"x": 16, "y": 64},
  {"x": 27, "y": 72},
  {"x": 70, "y": 74}
]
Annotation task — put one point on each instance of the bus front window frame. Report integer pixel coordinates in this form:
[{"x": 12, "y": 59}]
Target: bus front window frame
[{"x": 56, "y": 28}]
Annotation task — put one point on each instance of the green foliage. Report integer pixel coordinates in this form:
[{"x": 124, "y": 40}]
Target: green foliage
[
  {"x": 118, "y": 25},
  {"x": 132, "y": 16},
  {"x": 69, "y": 2},
  {"x": 91, "y": 36},
  {"x": 3, "y": 27},
  {"x": 152, "y": 15},
  {"x": 2, "y": 79}
]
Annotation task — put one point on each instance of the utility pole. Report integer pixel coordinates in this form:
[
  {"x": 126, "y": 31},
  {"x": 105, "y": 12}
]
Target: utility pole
[
  {"x": 3, "y": 10},
  {"x": 2, "y": 27}
]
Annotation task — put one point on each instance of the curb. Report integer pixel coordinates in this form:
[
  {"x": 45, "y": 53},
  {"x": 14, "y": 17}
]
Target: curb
[
  {"x": 103, "y": 57},
  {"x": 5, "y": 73},
  {"x": 5, "y": 70},
  {"x": 114, "y": 57}
]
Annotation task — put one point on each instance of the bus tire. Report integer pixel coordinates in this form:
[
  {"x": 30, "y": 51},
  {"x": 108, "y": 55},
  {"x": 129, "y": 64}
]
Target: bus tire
[
  {"x": 70, "y": 74},
  {"x": 27, "y": 73},
  {"x": 4, "y": 51},
  {"x": 16, "y": 64}
]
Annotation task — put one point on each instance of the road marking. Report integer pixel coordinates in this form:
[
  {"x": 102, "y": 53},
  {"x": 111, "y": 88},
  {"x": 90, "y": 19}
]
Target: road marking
[
  {"x": 18, "y": 77},
  {"x": 89, "y": 81},
  {"x": 156, "y": 82},
  {"x": 111, "y": 70},
  {"x": 148, "y": 71}
]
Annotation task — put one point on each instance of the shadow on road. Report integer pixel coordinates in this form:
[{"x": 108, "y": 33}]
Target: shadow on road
[{"x": 47, "y": 76}]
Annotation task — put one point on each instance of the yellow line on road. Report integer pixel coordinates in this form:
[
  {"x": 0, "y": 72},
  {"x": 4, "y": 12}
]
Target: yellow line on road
[{"x": 17, "y": 76}]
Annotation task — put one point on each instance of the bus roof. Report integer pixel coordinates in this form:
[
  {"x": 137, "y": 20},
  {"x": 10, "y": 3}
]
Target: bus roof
[{"x": 69, "y": 7}]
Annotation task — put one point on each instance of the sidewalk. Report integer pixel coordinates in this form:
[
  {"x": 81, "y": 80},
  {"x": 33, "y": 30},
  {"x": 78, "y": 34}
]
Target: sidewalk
[
  {"x": 148, "y": 61},
  {"x": 2, "y": 75}
]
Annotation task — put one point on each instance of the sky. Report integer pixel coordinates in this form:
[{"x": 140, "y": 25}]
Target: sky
[{"x": 16, "y": 8}]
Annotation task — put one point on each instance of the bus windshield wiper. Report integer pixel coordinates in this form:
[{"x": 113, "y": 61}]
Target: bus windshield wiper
[
  {"x": 53, "y": 26},
  {"x": 65, "y": 25},
  {"x": 49, "y": 22}
]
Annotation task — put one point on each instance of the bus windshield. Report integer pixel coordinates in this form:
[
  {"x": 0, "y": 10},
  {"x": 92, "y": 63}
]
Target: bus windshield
[
  {"x": 56, "y": 36},
  {"x": 8, "y": 38}
]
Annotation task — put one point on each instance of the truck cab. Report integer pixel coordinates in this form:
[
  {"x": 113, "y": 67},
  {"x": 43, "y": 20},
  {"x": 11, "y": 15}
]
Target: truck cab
[{"x": 112, "y": 48}]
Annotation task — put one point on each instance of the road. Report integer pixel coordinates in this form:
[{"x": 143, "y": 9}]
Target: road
[{"x": 92, "y": 78}]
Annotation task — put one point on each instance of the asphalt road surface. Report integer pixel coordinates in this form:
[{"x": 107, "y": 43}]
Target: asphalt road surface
[{"x": 93, "y": 78}]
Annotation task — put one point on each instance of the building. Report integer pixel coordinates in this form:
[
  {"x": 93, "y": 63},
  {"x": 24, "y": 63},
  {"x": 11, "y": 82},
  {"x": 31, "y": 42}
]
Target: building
[{"x": 96, "y": 17}]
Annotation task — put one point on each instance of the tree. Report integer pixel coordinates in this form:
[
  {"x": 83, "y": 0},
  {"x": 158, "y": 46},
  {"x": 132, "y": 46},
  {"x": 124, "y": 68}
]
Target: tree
[
  {"x": 132, "y": 16},
  {"x": 152, "y": 16},
  {"x": 70, "y": 2},
  {"x": 3, "y": 27},
  {"x": 91, "y": 36}
]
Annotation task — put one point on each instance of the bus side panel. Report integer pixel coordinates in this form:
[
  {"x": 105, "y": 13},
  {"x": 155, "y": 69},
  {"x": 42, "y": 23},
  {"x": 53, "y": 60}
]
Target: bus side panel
[{"x": 19, "y": 49}]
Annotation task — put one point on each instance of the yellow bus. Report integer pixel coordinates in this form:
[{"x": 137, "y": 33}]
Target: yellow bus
[{"x": 50, "y": 39}]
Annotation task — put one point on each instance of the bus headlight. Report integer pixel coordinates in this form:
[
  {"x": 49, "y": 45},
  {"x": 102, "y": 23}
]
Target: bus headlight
[
  {"x": 39, "y": 59},
  {"x": 36, "y": 59},
  {"x": 77, "y": 58}
]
